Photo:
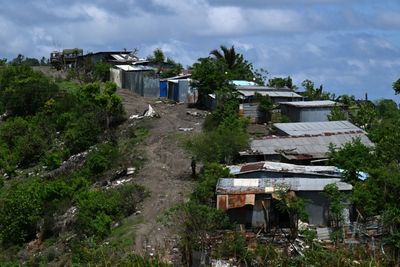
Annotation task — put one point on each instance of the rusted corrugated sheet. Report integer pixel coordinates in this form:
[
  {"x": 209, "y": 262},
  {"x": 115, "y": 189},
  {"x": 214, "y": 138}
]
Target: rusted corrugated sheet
[
  {"x": 226, "y": 202},
  {"x": 222, "y": 201},
  {"x": 252, "y": 167}
]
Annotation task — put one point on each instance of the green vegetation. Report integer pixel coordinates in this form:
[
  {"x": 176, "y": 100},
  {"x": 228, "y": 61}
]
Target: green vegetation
[
  {"x": 336, "y": 208},
  {"x": 166, "y": 67},
  {"x": 313, "y": 93},
  {"x": 338, "y": 114},
  {"x": 294, "y": 206},
  {"x": 279, "y": 82},
  {"x": 378, "y": 194},
  {"x": 45, "y": 123},
  {"x": 212, "y": 74},
  {"x": 396, "y": 86},
  {"x": 223, "y": 137}
]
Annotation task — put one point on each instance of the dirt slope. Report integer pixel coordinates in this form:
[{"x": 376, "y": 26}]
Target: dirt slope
[{"x": 166, "y": 173}]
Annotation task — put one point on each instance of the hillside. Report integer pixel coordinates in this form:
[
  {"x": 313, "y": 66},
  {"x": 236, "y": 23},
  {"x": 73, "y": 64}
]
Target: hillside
[{"x": 166, "y": 172}]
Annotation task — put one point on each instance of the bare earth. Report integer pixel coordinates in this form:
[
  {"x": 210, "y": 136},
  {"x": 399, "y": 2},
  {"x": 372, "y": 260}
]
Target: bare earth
[{"x": 166, "y": 173}]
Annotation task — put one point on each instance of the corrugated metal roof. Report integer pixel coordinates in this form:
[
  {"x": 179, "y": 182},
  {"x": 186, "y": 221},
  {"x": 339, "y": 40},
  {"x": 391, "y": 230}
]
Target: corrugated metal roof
[
  {"x": 313, "y": 146},
  {"x": 269, "y": 93},
  {"x": 134, "y": 68},
  {"x": 262, "y": 88},
  {"x": 283, "y": 167},
  {"x": 118, "y": 57},
  {"x": 233, "y": 186},
  {"x": 304, "y": 104},
  {"x": 243, "y": 83},
  {"x": 317, "y": 128}
]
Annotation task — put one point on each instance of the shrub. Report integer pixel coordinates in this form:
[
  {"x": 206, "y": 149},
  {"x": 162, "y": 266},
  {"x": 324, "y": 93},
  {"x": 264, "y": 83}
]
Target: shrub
[
  {"x": 101, "y": 158},
  {"x": 20, "y": 210},
  {"x": 97, "y": 209}
]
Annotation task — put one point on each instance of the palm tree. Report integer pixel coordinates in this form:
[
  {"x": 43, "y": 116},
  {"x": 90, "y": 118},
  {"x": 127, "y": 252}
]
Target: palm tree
[{"x": 229, "y": 55}]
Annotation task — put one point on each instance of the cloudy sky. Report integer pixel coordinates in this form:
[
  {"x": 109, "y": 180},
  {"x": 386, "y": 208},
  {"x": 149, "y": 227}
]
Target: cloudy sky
[{"x": 349, "y": 46}]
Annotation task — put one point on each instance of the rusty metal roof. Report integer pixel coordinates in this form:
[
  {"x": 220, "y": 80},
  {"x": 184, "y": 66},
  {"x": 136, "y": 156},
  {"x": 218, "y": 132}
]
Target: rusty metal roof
[
  {"x": 272, "y": 166},
  {"x": 268, "y": 185},
  {"x": 312, "y": 147},
  {"x": 317, "y": 128}
]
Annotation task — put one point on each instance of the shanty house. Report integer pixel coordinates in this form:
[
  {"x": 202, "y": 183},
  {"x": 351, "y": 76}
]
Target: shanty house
[
  {"x": 316, "y": 128},
  {"x": 303, "y": 149},
  {"x": 137, "y": 78},
  {"x": 178, "y": 89},
  {"x": 112, "y": 57},
  {"x": 271, "y": 169},
  {"x": 252, "y": 201},
  {"x": 307, "y": 111},
  {"x": 277, "y": 95},
  {"x": 248, "y": 108}
]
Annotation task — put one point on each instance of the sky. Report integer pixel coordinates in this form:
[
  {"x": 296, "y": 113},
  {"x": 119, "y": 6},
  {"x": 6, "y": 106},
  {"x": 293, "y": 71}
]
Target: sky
[{"x": 349, "y": 46}]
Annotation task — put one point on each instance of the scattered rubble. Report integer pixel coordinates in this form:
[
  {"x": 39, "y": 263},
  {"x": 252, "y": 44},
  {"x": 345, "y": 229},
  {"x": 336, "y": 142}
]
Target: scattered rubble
[
  {"x": 185, "y": 129},
  {"x": 64, "y": 221},
  {"x": 130, "y": 171},
  {"x": 149, "y": 113}
]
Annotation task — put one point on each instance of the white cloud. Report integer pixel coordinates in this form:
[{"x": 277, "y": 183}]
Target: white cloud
[{"x": 226, "y": 21}]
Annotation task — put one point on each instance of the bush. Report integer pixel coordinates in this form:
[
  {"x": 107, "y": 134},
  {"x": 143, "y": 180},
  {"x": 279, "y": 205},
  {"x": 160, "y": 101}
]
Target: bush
[
  {"x": 24, "y": 142},
  {"x": 101, "y": 158},
  {"x": 53, "y": 159},
  {"x": 204, "y": 191},
  {"x": 23, "y": 91},
  {"x": 21, "y": 207},
  {"x": 98, "y": 209},
  {"x": 81, "y": 133}
]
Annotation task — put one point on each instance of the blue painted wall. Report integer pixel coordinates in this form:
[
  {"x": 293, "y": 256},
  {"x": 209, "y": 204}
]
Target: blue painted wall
[{"x": 164, "y": 88}]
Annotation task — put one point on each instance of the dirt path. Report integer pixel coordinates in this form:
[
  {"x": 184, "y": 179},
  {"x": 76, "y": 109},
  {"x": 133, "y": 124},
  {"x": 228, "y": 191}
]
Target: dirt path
[{"x": 166, "y": 173}]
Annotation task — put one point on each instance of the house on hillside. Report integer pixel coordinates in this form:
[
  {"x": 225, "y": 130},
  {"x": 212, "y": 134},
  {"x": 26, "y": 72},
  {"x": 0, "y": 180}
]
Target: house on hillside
[
  {"x": 303, "y": 149},
  {"x": 315, "y": 128},
  {"x": 249, "y": 108},
  {"x": 136, "y": 78},
  {"x": 271, "y": 169},
  {"x": 307, "y": 111},
  {"x": 178, "y": 89},
  {"x": 112, "y": 57},
  {"x": 253, "y": 201},
  {"x": 277, "y": 95}
]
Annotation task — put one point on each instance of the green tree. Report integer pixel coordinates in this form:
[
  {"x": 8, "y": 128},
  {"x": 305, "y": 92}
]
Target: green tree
[
  {"x": 313, "y": 93},
  {"x": 158, "y": 58},
  {"x": 294, "y": 206},
  {"x": 23, "y": 91},
  {"x": 173, "y": 69},
  {"x": 364, "y": 115},
  {"x": 102, "y": 71},
  {"x": 396, "y": 87},
  {"x": 24, "y": 140},
  {"x": 229, "y": 56},
  {"x": 221, "y": 145},
  {"x": 352, "y": 157},
  {"x": 280, "y": 82},
  {"x": 337, "y": 114},
  {"x": 3, "y": 62},
  {"x": 265, "y": 105},
  {"x": 336, "y": 208},
  {"x": 204, "y": 191},
  {"x": 213, "y": 73}
]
